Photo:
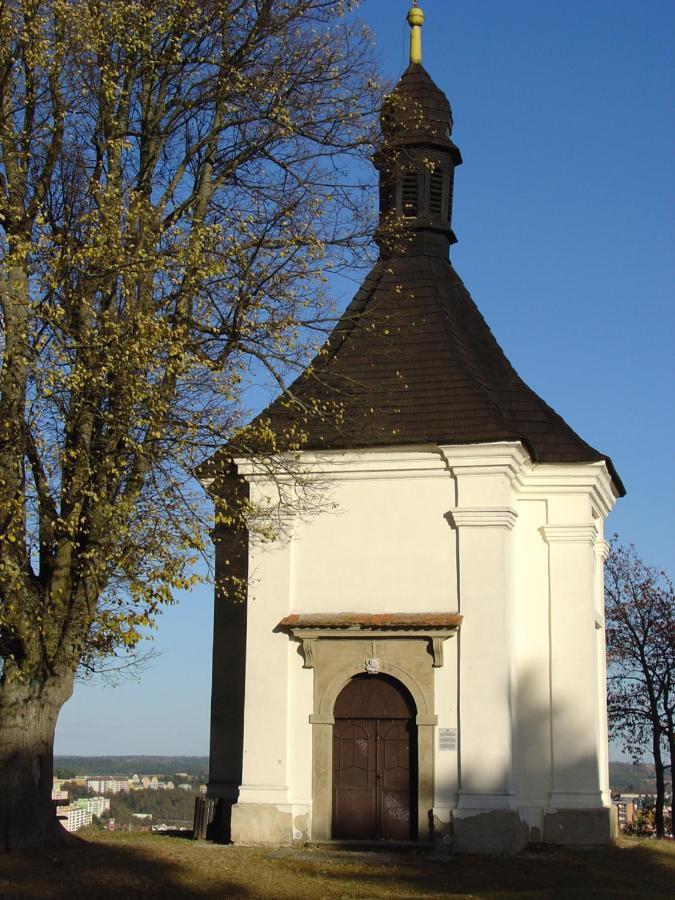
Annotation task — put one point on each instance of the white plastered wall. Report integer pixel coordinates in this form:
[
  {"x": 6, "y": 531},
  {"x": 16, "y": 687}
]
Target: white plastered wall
[
  {"x": 529, "y": 588},
  {"x": 381, "y": 543}
]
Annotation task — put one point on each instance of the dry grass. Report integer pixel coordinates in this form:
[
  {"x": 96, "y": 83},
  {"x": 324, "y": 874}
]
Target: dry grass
[{"x": 136, "y": 866}]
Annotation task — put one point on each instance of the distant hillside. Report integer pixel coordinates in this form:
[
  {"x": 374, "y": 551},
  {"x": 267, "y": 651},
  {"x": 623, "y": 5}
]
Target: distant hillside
[
  {"x": 633, "y": 779},
  {"x": 69, "y": 766}
]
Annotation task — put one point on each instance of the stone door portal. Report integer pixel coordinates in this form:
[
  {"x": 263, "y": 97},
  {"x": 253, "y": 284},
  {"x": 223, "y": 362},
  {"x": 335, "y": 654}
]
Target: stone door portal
[{"x": 374, "y": 751}]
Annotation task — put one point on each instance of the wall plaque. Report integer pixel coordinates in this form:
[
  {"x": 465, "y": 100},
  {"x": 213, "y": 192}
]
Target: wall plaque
[{"x": 447, "y": 738}]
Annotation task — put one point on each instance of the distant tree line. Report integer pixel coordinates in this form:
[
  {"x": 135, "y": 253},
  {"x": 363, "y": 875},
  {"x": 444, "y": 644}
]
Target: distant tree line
[
  {"x": 164, "y": 806},
  {"x": 634, "y": 778},
  {"x": 71, "y": 766}
]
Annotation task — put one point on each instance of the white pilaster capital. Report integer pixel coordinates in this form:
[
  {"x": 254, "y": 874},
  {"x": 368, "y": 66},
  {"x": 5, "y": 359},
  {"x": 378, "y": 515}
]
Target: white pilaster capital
[
  {"x": 501, "y": 458},
  {"x": 602, "y": 548},
  {"x": 483, "y": 517},
  {"x": 584, "y": 533},
  {"x": 558, "y": 479}
]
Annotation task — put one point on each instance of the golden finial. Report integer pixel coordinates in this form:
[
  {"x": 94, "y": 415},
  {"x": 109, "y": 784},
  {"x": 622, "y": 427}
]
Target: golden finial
[{"x": 415, "y": 20}]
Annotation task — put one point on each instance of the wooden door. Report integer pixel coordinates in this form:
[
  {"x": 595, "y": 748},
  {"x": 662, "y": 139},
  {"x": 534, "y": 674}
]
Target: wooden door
[
  {"x": 355, "y": 778},
  {"x": 373, "y": 762},
  {"x": 394, "y": 779}
]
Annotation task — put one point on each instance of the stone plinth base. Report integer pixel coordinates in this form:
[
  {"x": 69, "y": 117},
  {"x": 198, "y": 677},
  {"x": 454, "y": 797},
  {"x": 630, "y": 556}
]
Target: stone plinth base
[
  {"x": 268, "y": 823},
  {"x": 497, "y": 831},
  {"x": 580, "y": 826},
  {"x": 441, "y": 832}
]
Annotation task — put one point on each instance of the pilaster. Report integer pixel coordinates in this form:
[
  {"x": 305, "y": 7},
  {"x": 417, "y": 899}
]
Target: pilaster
[
  {"x": 265, "y": 763},
  {"x": 574, "y": 667},
  {"x": 484, "y": 519},
  {"x": 602, "y": 549}
]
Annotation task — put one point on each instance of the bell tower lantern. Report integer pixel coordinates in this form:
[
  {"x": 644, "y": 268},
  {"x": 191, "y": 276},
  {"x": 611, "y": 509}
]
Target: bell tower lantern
[{"x": 416, "y": 161}]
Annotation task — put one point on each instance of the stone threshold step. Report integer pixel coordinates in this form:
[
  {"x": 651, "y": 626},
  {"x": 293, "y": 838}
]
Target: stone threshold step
[{"x": 372, "y": 846}]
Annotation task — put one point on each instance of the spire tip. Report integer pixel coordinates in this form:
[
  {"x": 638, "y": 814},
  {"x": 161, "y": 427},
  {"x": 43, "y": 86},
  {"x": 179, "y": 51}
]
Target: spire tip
[{"x": 415, "y": 20}]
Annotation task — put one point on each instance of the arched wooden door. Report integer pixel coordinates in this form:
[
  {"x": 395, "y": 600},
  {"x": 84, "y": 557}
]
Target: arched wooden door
[{"x": 374, "y": 761}]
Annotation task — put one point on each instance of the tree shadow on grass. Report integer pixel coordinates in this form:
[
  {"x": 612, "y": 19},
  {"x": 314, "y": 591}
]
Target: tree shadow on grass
[
  {"x": 121, "y": 868},
  {"x": 139, "y": 866},
  {"x": 637, "y": 872}
]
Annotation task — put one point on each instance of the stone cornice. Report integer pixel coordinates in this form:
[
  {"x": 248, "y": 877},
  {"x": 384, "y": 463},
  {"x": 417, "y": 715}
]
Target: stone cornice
[
  {"x": 602, "y": 548},
  {"x": 370, "y": 621},
  {"x": 310, "y": 639},
  {"x": 510, "y": 459},
  {"x": 543, "y": 480},
  {"x": 501, "y": 458},
  {"x": 483, "y": 517},
  {"x": 415, "y": 461},
  {"x": 310, "y": 629},
  {"x": 584, "y": 533},
  {"x": 206, "y": 483}
]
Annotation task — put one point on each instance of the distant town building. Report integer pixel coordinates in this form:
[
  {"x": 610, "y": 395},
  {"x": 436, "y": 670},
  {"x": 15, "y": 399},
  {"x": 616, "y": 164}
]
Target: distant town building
[
  {"x": 145, "y": 782},
  {"x": 74, "y": 817},
  {"x": 107, "y": 785},
  {"x": 95, "y": 805},
  {"x": 185, "y": 787},
  {"x": 626, "y": 810},
  {"x": 57, "y": 792},
  {"x": 169, "y": 786}
]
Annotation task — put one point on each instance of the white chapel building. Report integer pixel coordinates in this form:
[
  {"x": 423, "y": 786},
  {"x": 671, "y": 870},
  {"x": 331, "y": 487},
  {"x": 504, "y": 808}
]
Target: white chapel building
[{"x": 423, "y": 658}]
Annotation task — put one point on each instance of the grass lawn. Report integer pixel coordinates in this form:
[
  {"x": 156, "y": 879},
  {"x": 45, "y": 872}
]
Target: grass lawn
[{"x": 146, "y": 865}]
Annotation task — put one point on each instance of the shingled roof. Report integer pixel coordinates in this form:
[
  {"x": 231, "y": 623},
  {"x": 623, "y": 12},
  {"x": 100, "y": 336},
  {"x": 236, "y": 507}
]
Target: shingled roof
[
  {"x": 412, "y": 361},
  {"x": 419, "y": 106}
]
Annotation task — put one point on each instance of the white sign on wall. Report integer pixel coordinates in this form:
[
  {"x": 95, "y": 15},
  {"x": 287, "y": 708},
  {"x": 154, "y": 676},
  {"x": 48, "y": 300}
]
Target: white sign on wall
[{"x": 447, "y": 738}]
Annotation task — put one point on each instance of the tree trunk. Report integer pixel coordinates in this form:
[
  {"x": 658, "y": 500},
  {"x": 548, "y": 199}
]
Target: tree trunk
[
  {"x": 671, "y": 750},
  {"x": 660, "y": 784},
  {"x": 28, "y": 712}
]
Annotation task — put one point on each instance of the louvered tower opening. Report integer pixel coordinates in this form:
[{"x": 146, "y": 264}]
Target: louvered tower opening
[
  {"x": 436, "y": 191},
  {"x": 451, "y": 190},
  {"x": 409, "y": 198}
]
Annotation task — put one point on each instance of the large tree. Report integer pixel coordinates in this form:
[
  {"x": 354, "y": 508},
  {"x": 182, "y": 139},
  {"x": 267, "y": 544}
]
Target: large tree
[
  {"x": 640, "y": 611},
  {"x": 176, "y": 180}
]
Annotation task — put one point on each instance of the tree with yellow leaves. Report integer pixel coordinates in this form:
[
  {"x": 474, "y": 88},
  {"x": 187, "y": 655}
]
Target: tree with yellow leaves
[{"x": 172, "y": 195}]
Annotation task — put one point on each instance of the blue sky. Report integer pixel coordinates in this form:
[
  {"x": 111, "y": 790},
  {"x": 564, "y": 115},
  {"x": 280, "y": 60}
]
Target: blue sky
[{"x": 566, "y": 223}]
